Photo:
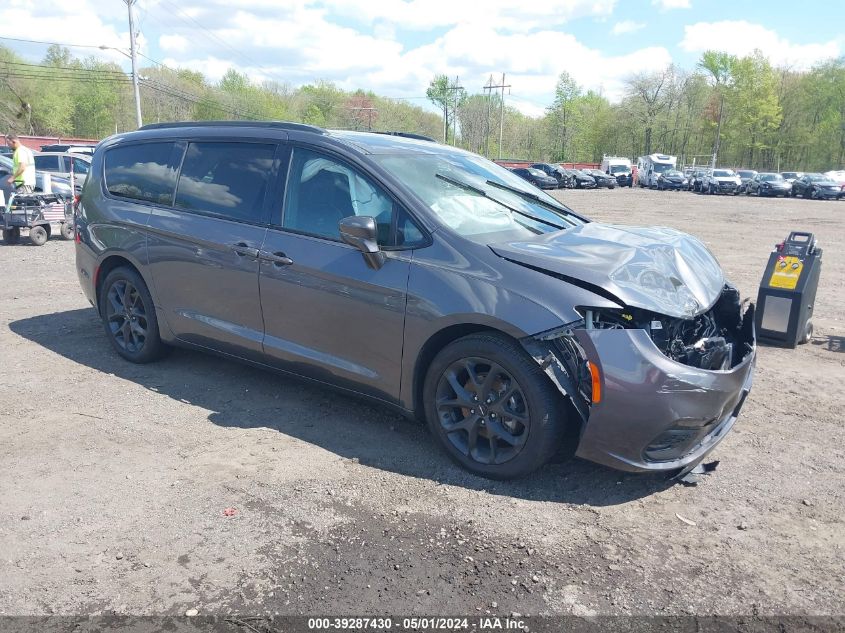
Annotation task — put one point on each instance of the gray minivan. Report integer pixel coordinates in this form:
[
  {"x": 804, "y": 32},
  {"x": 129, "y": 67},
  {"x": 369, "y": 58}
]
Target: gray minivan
[{"x": 421, "y": 276}]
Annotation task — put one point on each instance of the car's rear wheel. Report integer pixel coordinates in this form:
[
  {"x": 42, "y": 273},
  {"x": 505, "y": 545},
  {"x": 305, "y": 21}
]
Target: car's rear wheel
[
  {"x": 129, "y": 317},
  {"x": 67, "y": 230},
  {"x": 492, "y": 408}
]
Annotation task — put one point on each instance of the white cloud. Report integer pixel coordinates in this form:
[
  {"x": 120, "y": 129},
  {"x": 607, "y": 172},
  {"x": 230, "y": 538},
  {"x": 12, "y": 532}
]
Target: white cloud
[
  {"x": 740, "y": 37},
  {"x": 506, "y": 14},
  {"x": 627, "y": 26},
  {"x": 173, "y": 43},
  {"x": 355, "y": 44},
  {"x": 666, "y": 5}
]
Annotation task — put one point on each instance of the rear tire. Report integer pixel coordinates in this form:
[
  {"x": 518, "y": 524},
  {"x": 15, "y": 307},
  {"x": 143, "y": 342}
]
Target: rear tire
[
  {"x": 499, "y": 426},
  {"x": 67, "y": 230},
  {"x": 38, "y": 235},
  {"x": 129, "y": 317},
  {"x": 12, "y": 236}
]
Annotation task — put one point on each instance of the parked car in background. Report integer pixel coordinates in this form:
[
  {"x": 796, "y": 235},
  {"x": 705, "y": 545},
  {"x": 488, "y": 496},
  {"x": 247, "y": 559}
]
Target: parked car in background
[
  {"x": 64, "y": 147},
  {"x": 582, "y": 179},
  {"x": 745, "y": 176},
  {"x": 672, "y": 179},
  {"x": 791, "y": 176},
  {"x": 58, "y": 185},
  {"x": 536, "y": 177},
  {"x": 61, "y": 163},
  {"x": 695, "y": 181},
  {"x": 837, "y": 176},
  {"x": 602, "y": 179},
  {"x": 768, "y": 184},
  {"x": 620, "y": 168},
  {"x": 816, "y": 186},
  {"x": 424, "y": 277},
  {"x": 555, "y": 171},
  {"x": 721, "y": 181}
]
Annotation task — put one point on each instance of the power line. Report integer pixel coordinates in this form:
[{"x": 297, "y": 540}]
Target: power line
[
  {"x": 184, "y": 18},
  {"x": 66, "y": 68},
  {"x": 20, "y": 39}
]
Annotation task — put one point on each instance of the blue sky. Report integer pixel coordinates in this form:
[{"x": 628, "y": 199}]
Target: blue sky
[{"x": 394, "y": 47}]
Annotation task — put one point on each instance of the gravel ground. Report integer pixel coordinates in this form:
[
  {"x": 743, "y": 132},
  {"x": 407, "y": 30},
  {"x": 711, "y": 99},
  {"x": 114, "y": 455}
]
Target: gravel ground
[{"x": 115, "y": 478}]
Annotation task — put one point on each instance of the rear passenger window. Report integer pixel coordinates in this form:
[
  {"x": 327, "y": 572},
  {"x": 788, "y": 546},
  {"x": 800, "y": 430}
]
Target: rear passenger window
[
  {"x": 228, "y": 179},
  {"x": 142, "y": 172}
]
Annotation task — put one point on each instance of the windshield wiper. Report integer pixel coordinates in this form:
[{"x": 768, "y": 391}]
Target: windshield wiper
[
  {"x": 535, "y": 198},
  {"x": 468, "y": 187}
]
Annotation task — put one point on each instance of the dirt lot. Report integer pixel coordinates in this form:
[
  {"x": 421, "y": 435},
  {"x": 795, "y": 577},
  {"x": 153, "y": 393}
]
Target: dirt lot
[{"x": 114, "y": 478}]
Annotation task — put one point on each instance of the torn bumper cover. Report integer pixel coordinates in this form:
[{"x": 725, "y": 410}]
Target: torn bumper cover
[{"x": 654, "y": 413}]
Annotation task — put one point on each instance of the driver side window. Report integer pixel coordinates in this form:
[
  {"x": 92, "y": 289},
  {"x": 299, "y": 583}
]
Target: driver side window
[{"x": 322, "y": 190}]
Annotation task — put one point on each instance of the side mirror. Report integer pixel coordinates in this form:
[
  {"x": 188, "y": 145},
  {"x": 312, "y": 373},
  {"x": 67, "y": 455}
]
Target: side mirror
[{"x": 361, "y": 232}]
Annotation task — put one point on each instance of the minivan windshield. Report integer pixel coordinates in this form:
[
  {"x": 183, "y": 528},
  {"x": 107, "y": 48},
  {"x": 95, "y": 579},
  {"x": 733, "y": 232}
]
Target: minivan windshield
[
  {"x": 723, "y": 173},
  {"x": 461, "y": 189}
]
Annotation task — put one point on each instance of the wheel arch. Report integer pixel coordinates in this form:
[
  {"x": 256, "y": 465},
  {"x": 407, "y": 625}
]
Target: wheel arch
[
  {"x": 110, "y": 263},
  {"x": 432, "y": 347}
]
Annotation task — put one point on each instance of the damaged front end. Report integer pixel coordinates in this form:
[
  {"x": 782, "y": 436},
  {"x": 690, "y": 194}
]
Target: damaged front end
[{"x": 653, "y": 392}]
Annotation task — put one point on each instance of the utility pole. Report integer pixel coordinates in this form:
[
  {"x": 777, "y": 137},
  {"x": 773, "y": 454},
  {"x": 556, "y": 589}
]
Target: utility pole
[
  {"x": 488, "y": 89},
  {"x": 502, "y": 115},
  {"x": 454, "y": 89},
  {"x": 132, "y": 50}
]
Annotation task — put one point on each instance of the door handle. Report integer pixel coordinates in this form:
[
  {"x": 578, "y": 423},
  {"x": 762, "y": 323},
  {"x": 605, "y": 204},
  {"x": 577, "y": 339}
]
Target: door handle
[
  {"x": 244, "y": 250},
  {"x": 278, "y": 258}
]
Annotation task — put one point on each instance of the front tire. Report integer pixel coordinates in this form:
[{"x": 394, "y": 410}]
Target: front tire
[
  {"x": 67, "y": 230},
  {"x": 129, "y": 317},
  {"x": 491, "y": 407}
]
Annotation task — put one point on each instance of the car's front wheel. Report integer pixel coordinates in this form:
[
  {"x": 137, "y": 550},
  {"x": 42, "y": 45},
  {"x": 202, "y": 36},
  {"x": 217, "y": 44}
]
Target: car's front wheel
[
  {"x": 492, "y": 408},
  {"x": 129, "y": 317}
]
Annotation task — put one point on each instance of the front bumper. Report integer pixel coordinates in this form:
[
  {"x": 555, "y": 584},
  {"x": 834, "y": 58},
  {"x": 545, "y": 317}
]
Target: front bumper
[
  {"x": 828, "y": 194},
  {"x": 726, "y": 187},
  {"x": 668, "y": 184},
  {"x": 656, "y": 414},
  {"x": 775, "y": 191}
]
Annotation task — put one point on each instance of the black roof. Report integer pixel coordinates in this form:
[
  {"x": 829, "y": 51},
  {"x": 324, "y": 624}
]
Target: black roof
[{"x": 277, "y": 125}]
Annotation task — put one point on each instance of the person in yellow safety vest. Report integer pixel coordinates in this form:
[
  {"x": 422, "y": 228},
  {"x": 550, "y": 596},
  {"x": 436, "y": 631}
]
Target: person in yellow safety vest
[{"x": 23, "y": 166}]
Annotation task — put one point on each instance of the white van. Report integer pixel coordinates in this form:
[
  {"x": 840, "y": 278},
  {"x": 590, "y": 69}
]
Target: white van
[{"x": 618, "y": 167}]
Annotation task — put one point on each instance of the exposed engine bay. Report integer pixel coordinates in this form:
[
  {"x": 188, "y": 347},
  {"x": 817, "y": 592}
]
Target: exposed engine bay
[{"x": 715, "y": 340}]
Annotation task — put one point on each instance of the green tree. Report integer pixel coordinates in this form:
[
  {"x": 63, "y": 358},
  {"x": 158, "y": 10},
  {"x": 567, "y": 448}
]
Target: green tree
[
  {"x": 560, "y": 113},
  {"x": 718, "y": 67}
]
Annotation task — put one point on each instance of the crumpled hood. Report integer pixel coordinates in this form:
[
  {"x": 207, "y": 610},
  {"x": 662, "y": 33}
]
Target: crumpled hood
[{"x": 653, "y": 268}]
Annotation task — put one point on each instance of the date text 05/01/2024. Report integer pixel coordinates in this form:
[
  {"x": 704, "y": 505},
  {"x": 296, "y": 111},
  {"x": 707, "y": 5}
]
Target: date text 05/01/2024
[{"x": 418, "y": 623}]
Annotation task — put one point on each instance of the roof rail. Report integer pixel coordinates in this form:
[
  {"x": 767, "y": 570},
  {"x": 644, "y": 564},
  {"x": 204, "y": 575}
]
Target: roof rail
[
  {"x": 418, "y": 137},
  {"x": 279, "y": 125}
]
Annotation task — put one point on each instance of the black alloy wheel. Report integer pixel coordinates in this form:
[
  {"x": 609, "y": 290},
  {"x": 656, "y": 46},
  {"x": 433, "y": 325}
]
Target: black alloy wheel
[
  {"x": 483, "y": 410},
  {"x": 492, "y": 408},
  {"x": 129, "y": 317}
]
